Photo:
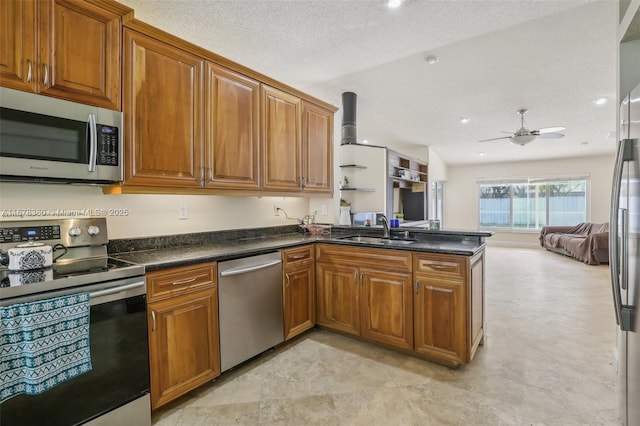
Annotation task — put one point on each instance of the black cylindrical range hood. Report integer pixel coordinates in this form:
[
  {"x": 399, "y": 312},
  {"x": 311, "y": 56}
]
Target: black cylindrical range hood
[{"x": 348, "y": 118}]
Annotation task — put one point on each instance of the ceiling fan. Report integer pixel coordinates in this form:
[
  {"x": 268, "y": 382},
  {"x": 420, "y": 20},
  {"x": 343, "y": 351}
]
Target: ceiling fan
[{"x": 523, "y": 136}]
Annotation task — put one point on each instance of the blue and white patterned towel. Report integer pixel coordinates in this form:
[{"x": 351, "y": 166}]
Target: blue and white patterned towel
[{"x": 43, "y": 344}]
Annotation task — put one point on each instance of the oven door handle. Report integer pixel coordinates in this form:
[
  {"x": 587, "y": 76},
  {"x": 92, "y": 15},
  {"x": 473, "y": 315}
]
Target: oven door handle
[{"x": 115, "y": 290}]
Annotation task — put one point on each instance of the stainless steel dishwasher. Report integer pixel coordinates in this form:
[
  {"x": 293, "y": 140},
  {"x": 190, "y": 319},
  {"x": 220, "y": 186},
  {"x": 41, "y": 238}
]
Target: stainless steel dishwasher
[{"x": 251, "y": 311}]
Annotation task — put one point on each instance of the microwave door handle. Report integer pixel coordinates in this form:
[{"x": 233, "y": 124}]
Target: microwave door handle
[{"x": 93, "y": 142}]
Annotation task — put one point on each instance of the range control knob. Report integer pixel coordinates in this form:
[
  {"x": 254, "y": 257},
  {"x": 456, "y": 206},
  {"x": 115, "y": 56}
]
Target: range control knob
[
  {"x": 93, "y": 230},
  {"x": 75, "y": 231}
]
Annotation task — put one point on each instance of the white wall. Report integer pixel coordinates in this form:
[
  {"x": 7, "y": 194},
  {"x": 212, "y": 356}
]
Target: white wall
[
  {"x": 151, "y": 215},
  {"x": 461, "y": 193}
]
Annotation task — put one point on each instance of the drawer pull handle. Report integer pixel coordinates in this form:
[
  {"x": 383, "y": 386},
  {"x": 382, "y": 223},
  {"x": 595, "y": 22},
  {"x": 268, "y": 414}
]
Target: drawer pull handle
[
  {"x": 300, "y": 256},
  {"x": 185, "y": 281},
  {"x": 287, "y": 277},
  {"x": 153, "y": 318},
  {"x": 443, "y": 267},
  {"x": 417, "y": 287}
]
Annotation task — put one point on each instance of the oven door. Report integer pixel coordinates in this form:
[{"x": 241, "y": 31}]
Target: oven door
[{"x": 119, "y": 379}]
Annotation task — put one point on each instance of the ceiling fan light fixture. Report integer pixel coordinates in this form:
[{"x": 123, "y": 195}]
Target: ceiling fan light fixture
[{"x": 522, "y": 140}]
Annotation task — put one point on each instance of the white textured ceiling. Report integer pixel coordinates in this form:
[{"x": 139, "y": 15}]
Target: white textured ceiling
[{"x": 494, "y": 57}]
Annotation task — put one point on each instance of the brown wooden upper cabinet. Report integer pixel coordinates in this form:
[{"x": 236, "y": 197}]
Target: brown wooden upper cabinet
[
  {"x": 297, "y": 144},
  {"x": 232, "y": 129},
  {"x": 281, "y": 141},
  {"x": 68, "y": 49},
  {"x": 317, "y": 148},
  {"x": 163, "y": 108},
  {"x": 199, "y": 122}
]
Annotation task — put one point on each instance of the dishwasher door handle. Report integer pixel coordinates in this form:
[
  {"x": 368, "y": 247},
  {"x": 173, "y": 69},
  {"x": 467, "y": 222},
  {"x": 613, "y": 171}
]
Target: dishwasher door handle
[{"x": 246, "y": 269}]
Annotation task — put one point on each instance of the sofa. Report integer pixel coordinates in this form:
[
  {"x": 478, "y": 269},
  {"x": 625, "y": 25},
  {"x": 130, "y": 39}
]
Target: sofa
[{"x": 587, "y": 242}]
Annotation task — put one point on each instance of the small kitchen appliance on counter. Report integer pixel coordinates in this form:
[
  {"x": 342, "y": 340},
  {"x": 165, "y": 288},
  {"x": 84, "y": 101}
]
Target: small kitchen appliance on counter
[{"x": 116, "y": 389}]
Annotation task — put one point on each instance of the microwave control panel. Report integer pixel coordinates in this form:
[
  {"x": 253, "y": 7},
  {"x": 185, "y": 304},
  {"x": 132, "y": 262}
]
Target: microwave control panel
[{"x": 108, "y": 145}]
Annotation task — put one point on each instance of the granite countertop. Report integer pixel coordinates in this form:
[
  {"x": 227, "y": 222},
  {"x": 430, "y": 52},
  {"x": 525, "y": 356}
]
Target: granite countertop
[{"x": 165, "y": 257}]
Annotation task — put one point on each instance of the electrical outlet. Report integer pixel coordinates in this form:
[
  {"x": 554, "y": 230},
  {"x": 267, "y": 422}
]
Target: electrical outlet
[
  {"x": 276, "y": 211},
  {"x": 325, "y": 210},
  {"x": 183, "y": 212}
]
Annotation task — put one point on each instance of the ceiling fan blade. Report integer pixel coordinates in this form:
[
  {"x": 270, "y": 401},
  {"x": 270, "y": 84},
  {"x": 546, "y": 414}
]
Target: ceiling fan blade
[
  {"x": 548, "y": 130},
  {"x": 495, "y": 139},
  {"x": 551, "y": 135}
]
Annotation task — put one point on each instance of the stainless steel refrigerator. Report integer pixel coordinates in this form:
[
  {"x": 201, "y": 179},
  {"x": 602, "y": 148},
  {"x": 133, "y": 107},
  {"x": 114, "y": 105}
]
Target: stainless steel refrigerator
[{"x": 624, "y": 255}]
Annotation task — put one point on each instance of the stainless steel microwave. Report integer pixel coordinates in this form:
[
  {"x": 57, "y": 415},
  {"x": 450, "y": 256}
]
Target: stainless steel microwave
[{"x": 52, "y": 140}]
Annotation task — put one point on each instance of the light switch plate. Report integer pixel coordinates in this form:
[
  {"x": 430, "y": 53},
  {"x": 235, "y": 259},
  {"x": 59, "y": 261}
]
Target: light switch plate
[{"x": 183, "y": 212}]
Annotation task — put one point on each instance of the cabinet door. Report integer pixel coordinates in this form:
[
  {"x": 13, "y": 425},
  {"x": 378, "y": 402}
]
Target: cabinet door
[
  {"x": 183, "y": 344},
  {"x": 317, "y": 137},
  {"x": 386, "y": 307},
  {"x": 281, "y": 144},
  {"x": 80, "y": 53},
  {"x": 338, "y": 304},
  {"x": 299, "y": 299},
  {"x": 232, "y": 123},
  {"x": 440, "y": 319},
  {"x": 18, "y": 44},
  {"x": 163, "y": 113}
]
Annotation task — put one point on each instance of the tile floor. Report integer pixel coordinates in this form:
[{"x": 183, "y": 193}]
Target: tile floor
[{"x": 548, "y": 360}]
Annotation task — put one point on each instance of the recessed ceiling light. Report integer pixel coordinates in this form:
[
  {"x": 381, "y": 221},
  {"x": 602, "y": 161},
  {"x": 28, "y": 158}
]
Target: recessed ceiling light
[
  {"x": 600, "y": 101},
  {"x": 364, "y": 141},
  {"x": 431, "y": 59},
  {"x": 481, "y": 154},
  {"x": 464, "y": 120},
  {"x": 392, "y": 4},
  {"x": 584, "y": 144}
]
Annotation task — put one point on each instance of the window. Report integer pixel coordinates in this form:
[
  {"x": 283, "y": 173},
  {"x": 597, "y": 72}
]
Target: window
[{"x": 533, "y": 203}]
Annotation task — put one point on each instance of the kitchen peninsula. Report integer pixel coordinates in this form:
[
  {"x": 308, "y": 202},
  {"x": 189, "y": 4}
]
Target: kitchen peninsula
[{"x": 420, "y": 292}]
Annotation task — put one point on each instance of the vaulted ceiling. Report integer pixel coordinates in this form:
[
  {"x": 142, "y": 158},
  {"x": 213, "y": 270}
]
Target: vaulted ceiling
[{"x": 493, "y": 57}]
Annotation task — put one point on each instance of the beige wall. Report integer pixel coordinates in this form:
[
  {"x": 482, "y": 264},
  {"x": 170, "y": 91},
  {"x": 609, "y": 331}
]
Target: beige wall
[
  {"x": 461, "y": 193},
  {"x": 153, "y": 215}
]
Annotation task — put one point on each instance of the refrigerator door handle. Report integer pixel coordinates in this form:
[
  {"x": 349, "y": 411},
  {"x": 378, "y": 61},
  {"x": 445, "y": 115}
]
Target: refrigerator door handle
[
  {"x": 625, "y": 314},
  {"x": 613, "y": 233}
]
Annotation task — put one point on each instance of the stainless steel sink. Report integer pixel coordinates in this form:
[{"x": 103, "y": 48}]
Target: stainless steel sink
[{"x": 376, "y": 240}]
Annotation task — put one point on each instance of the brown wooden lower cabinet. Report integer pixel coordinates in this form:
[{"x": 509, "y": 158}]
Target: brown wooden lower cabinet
[
  {"x": 429, "y": 303},
  {"x": 440, "y": 319},
  {"x": 298, "y": 290},
  {"x": 449, "y": 305},
  {"x": 183, "y": 331},
  {"x": 366, "y": 292}
]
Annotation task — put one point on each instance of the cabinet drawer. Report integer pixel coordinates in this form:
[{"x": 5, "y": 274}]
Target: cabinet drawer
[
  {"x": 297, "y": 255},
  {"x": 364, "y": 256},
  {"x": 181, "y": 280},
  {"x": 440, "y": 265}
]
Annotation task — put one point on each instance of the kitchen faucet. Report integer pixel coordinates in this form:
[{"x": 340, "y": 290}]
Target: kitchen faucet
[{"x": 385, "y": 224}]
